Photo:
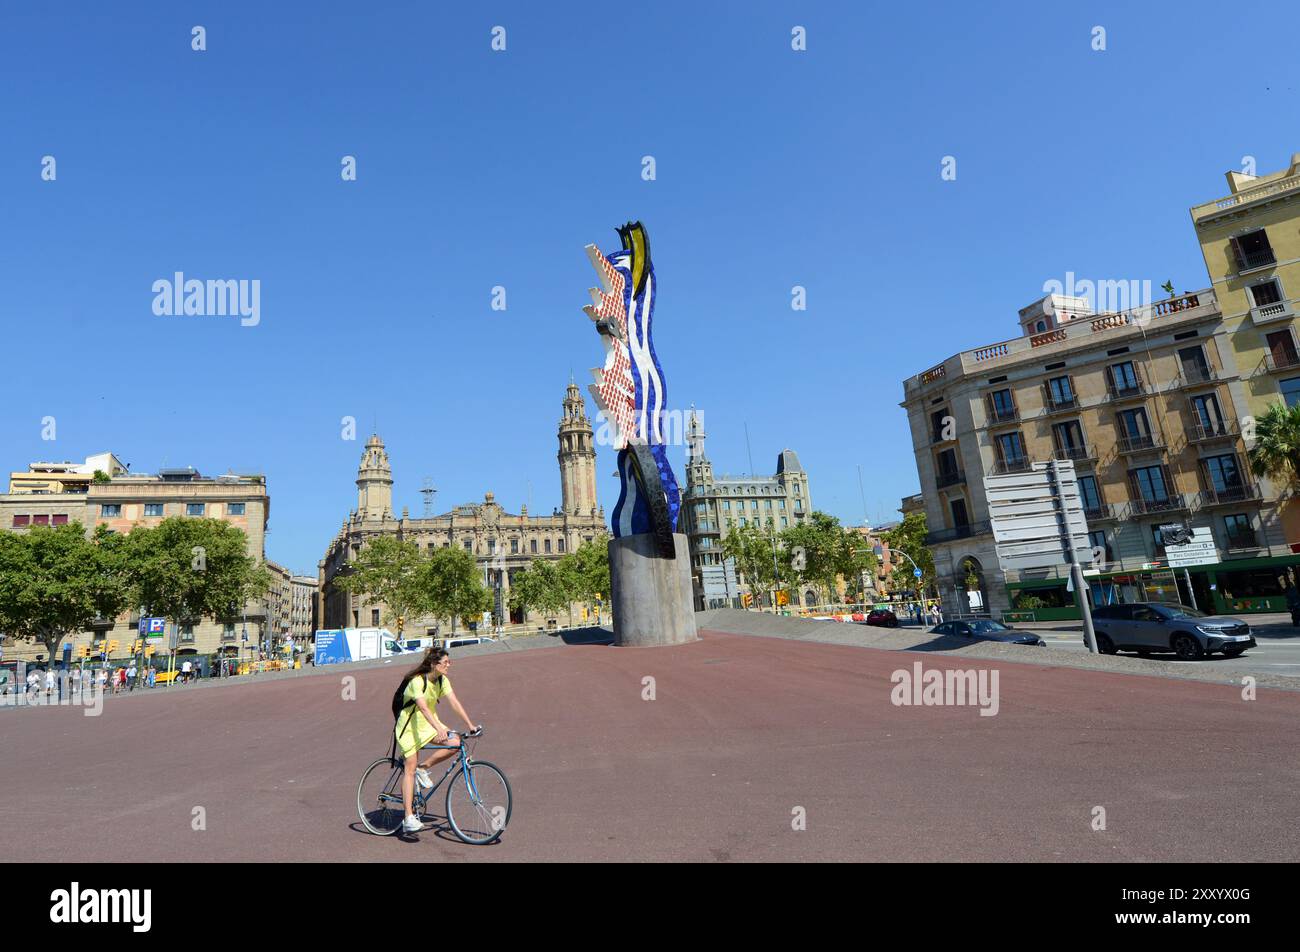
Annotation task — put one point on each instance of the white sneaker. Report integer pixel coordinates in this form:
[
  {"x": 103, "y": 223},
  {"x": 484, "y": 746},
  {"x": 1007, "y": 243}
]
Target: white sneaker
[
  {"x": 412, "y": 824},
  {"x": 423, "y": 779}
]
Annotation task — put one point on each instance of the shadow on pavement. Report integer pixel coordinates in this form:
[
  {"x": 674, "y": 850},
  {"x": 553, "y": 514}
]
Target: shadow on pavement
[{"x": 592, "y": 635}]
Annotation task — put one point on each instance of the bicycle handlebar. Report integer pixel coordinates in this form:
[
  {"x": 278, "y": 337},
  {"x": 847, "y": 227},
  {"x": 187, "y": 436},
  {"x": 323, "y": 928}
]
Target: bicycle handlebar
[{"x": 476, "y": 732}]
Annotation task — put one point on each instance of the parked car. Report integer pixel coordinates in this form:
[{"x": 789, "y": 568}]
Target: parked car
[
  {"x": 883, "y": 617},
  {"x": 462, "y": 642},
  {"x": 984, "y": 629},
  {"x": 1147, "y": 627}
]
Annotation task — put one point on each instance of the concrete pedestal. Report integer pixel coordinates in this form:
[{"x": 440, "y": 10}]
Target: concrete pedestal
[{"x": 651, "y": 597}]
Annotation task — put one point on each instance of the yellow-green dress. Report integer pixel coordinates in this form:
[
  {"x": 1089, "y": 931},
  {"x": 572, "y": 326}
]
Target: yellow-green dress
[{"x": 413, "y": 729}]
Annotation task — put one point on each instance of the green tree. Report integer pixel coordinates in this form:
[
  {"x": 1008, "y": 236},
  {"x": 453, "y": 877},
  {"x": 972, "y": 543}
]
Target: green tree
[
  {"x": 585, "y": 573},
  {"x": 751, "y": 550},
  {"x": 909, "y": 537},
  {"x": 1276, "y": 453},
  {"x": 390, "y": 571},
  {"x": 187, "y": 569},
  {"x": 452, "y": 585},
  {"x": 101, "y": 477},
  {"x": 827, "y": 553},
  {"x": 541, "y": 587},
  {"x": 54, "y": 582}
]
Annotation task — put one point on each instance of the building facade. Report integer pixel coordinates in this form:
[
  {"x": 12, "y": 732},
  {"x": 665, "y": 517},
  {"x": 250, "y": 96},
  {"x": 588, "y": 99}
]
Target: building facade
[
  {"x": 129, "y": 500},
  {"x": 711, "y": 506},
  {"x": 503, "y": 543},
  {"x": 1154, "y": 406}
]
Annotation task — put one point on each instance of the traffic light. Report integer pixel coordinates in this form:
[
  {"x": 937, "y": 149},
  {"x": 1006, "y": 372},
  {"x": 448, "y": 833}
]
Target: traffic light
[
  {"x": 84, "y": 651},
  {"x": 112, "y": 646},
  {"x": 746, "y": 599},
  {"x": 783, "y": 597}
]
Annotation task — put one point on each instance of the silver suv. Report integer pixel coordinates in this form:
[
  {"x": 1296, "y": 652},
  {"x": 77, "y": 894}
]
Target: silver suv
[{"x": 1146, "y": 627}]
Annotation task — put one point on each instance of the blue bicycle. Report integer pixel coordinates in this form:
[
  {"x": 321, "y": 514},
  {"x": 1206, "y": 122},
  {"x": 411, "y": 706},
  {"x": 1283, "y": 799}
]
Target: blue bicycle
[{"x": 478, "y": 798}]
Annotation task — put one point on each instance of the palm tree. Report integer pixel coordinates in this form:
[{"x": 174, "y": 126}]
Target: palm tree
[{"x": 1277, "y": 444}]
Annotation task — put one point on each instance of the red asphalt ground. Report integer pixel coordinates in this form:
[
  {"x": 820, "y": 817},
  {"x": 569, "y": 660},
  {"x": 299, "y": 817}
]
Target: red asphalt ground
[{"x": 742, "y": 731}]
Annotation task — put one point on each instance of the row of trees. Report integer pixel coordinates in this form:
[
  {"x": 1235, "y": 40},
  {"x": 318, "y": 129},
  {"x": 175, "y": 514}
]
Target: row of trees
[
  {"x": 549, "y": 587},
  {"x": 55, "y": 582},
  {"x": 447, "y": 582},
  {"x": 439, "y": 583},
  {"x": 817, "y": 552}
]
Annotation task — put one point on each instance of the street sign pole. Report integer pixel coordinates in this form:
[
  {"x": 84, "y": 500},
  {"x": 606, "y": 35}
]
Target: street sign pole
[{"x": 1082, "y": 596}]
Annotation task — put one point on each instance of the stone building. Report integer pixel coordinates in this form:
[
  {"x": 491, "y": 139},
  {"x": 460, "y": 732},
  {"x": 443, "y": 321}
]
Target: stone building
[
  {"x": 503, "y": 543},
  {"x": 128, "y": 500},
  {"x": 712, "y": 505}
]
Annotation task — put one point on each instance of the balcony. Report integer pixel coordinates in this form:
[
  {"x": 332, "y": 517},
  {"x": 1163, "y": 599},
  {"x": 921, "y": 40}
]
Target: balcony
[
  {"x": 1140, "y": 444},
  {"x": 1059, "y": 403},
  {"x": 1174, "y": 502},
  {"x": 1238, "y": 541},
  {"x": 1080, "y": 454},
  {"x": 999, "y": 414},
  {"x": 1222, "y": 430},
  {"x": 1229, "y": 495},
  {"x": 1276, "y": 311},
  {"x": 961, "y": 532},
  {"x": 1100, "y": 512},
  {"x": 1287, "y": 360},
  {"x": 1195, "y": 376},
  {"x": 1017, "y": 464},
  {"x": 1256, "y": 258},
  {"x": 1128, "y": 390},
  {"x": 945, "y": 478}
]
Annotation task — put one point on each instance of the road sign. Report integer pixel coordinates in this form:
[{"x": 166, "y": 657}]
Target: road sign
[
  {"x": 916, "y": 573},
  {"x": 153, "y": 627},
  {"x": 1199, "y": 551},
  {"x": 1030, "y": 515}
]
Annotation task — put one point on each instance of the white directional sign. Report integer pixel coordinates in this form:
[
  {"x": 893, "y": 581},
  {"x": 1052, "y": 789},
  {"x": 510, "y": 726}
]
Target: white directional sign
[
  {"x": 1030, "y": 517},
  {"x": 1200, "y": 551}
]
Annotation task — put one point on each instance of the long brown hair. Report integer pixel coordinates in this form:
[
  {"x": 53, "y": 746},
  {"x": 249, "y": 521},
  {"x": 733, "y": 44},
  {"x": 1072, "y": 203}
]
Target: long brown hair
[{"x": 421, "y": 670}]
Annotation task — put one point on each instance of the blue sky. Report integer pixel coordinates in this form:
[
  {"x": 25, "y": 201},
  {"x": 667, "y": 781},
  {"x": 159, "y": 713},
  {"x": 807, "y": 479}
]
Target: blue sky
[{"x": 477, "y": 168}]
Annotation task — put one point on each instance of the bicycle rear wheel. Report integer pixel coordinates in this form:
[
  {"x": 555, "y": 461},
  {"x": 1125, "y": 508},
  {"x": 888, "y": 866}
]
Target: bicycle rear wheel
[
  {"x": 478, "y": 803},
  {"x": 379, "y": 797}
]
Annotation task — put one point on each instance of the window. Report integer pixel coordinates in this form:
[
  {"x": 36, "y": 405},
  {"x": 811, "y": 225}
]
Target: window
[
  {"x": 1040, "y": 327},
  {"x": 1150, "y": 485},
  {"x": 1135, "y": 429},
  {"x": 374, "y": 618},
  {"x": 784, "y": 522},
  {"x": 1158, "y": 539},
  {"x": 1011, "y": 451},
  {"x": 960, "y": 519},
  {"x": 743, "y": 522},
  {"x": 492, "y": 546},
  {"x": 187, "y": 633},
  {"x": 153, "y": 509},
  {"x": 468, "y": 544},
  {"x": 780, "y": 504},
  {"x": 1002, "y": 406},
  {"x": 1240, "y": 533},
  {"x": 1088, "y": 494},
  {"x": 547, "y": 546},
  {"x": 726, "y": 505},
  {"x": 1069, "y": 440},
  {"x": 59, "y": 519},
  {"x": 753, "y": 504},
  {"x": 1124, "y": 379},
  {"x": 235, "y": 508},
  {"x": 194, "y": 508},
  {"x": 20, "y": 521},
  {"x": 559, "y": 544},
  {"x": 1290, "y": 391},
  {"x": 532, "y": 546},
  {"x": 937, "y": 425},
  {"x": 769, "y": 504},
  {"x": 1269, "y": 292},
  {"x": 1100, "y": 547},
  {"x": 1253, "y": 250},
  {"x": 1208, "y": 417},
  {"x": 514, "y": 546},
  {"x": 107, "y": 511},
  {"x": 41, "y": 520},
  {"x": 1223, "y": 473},
  {"x": 1282, "y": 350},
  {"x": 1060, "y": 393},
  {"x": 1195, "y": 367}
]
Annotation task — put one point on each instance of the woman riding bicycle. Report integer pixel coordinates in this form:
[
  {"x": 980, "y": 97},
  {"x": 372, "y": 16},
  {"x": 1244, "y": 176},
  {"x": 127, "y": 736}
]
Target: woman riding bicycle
[{"x": 418, "y": 725}]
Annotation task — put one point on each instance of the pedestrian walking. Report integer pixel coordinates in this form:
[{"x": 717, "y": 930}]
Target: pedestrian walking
[
  {"x": 153, "y": 676},
  {"x": 1293, "y": 604},
  {"x": 185, "y": 672},
  {"x": 101, "y": 676},
  {"x": 130, "y": 677},
  {"x": 121, "y": 679},
  {"x": 76, "y": 681},
  {"x": 49, "y": 682}
]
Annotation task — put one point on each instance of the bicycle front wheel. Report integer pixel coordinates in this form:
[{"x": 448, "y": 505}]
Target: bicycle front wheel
[
  {"x": 478, "y": 803},
  {"x": 379, "y": 797}
]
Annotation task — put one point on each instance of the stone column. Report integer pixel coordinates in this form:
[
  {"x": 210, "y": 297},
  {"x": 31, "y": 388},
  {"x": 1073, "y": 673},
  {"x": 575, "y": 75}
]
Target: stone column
[{"x": 650, "y": 597}]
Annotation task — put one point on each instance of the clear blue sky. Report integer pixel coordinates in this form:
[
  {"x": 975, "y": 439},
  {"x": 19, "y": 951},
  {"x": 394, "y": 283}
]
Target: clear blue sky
[{"x": 477, "y": 168}]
